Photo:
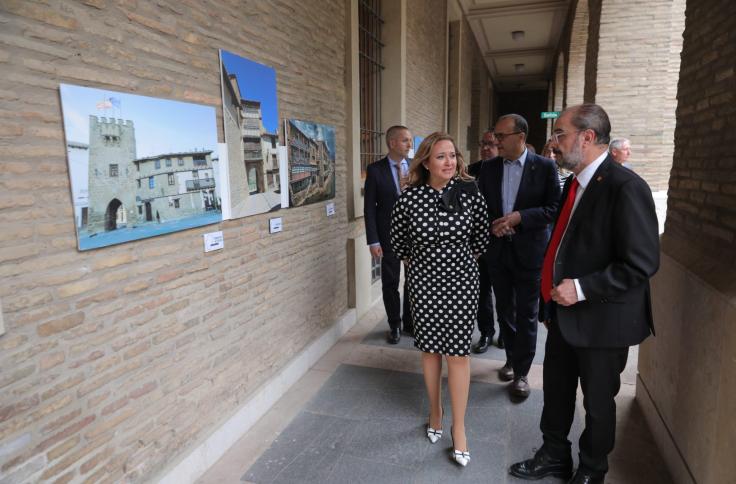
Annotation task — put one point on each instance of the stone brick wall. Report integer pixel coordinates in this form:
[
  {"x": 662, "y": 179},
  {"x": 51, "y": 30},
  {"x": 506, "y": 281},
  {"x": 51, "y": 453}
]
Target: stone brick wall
[
  {"x": 688, "y": 372},
  {"x": 701, "y": 218},
  {"x": 116, "y": 362},
  {"x": 636, "y": 79},
  {"x": 469, "y": 52},
  {"x": 425, "y": 70},
  {"x": 559, "y": 98},
  {"x": 578, "y": 43},
  {"x": 591, "y": 51}
]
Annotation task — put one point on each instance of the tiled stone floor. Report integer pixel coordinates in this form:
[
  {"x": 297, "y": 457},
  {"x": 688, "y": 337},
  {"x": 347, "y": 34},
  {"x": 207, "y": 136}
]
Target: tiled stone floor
[{"x": 357, "y": 416}]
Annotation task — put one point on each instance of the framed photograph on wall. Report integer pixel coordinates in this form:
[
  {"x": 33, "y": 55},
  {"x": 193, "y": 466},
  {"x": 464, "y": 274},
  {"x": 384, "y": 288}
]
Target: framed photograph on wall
[
  {"x": 250, "y": 111},
  {"x": 311, "y": 148},
  {"x": 139, "y": 166}
]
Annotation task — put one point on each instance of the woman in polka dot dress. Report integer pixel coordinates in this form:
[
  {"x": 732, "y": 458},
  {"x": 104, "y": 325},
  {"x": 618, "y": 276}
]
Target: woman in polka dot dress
[{"x": 439, "y": 226}]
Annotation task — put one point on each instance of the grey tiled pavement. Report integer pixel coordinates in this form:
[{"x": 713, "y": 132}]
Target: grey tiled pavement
[{"x": 367, "y": 425}]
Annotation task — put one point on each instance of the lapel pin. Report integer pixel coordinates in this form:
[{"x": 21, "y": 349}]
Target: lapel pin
[{"x": 600, "y": 178}]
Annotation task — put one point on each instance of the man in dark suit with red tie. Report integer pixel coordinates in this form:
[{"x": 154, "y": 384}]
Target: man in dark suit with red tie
[
  {"x": 383, "y": 185},
  {"x": 595, "y": 295},
  {"x": 522, "y": 193}
]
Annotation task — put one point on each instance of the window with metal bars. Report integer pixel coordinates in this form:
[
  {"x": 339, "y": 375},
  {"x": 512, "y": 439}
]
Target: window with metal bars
[
  {"x": 371, "y": 133},
  {"x": 370, "y": 49}
]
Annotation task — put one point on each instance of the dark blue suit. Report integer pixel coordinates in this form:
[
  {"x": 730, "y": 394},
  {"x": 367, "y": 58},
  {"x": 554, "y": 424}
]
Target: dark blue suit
[
  {"x": 515, "y": 262},
  {"x": 381, "y": 193}
]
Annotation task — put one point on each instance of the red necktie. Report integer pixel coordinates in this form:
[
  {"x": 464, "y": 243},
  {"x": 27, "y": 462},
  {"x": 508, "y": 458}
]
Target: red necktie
[{"x": 554, "y": 243}]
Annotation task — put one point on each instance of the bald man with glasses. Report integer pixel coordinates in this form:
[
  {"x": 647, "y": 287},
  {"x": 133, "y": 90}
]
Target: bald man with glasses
[{"x": 522, "y": 192}]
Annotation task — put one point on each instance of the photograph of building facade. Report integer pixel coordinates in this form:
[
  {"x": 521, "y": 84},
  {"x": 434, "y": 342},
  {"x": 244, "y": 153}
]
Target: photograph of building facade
[
  {"x": 78, "y": 156},
  {"x": 251, "y": 134},
  {"x": 311, "y": 149},
  {"x": 175, "y": 185},
  {"x": 118, "y": 196}
]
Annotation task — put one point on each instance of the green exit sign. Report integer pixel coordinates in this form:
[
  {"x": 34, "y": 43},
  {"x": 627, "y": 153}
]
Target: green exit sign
[{"x": 550, "y": 114}]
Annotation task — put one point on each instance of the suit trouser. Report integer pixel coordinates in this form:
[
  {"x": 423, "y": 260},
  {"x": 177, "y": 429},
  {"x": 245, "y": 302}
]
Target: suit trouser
[
  {"x": 390, "y": 275},
  {"x": 485, "y": 301},
  {"x": 599, "y": 370},
  {"x": 517, "y": 305}
]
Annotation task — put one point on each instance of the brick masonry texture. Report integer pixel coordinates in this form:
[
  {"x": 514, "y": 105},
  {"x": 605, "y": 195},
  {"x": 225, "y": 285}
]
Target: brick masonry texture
[
  {"x": 118, "y": 361},
  {"x": 425, "y": 70},
  {"x": 576, "y": 56},
  {"x": 638, "y": 62},
  {"x": 701, "y": 219},
  {"x": 469, "y": 52}
]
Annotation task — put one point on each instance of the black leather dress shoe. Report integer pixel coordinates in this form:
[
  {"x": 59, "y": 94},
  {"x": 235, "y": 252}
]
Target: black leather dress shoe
[
  {"x": 506, "y": 373},
  {"x": 520, "y": 387},
  {"x": 482, "y": 345},
  {"x": 586, "y": 477},
  {"x": 394, "y": 336},
  {"x": 542, "y": 465}
]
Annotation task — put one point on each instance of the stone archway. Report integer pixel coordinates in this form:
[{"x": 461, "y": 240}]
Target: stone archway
[{"x": 111, "y": 214}]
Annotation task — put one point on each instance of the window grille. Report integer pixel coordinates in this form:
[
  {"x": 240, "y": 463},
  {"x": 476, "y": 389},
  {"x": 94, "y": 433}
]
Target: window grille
[
  {"x": 370, "y": 50},
  {"x": 375, "y": 269}
]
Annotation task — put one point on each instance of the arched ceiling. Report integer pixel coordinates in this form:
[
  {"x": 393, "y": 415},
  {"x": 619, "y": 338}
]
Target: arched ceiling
[{"x": 524, "y": 63}]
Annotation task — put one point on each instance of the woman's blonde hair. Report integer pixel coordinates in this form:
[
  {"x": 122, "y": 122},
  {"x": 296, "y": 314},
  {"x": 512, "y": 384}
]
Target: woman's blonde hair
[{"x": 419, "y": 175}]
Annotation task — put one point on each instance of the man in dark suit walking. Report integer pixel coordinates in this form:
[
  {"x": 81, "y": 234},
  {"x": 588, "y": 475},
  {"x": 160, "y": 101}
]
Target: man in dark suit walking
[
  {"x": 488, "y": 151},
  {"x": 595, "y": 295},
  {"x": 522, "y": 193},
  {"x": 384, "y": 181}
]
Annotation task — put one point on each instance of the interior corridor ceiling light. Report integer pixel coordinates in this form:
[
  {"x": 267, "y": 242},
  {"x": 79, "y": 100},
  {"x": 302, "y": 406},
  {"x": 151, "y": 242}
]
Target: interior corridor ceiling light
[{"x": 517, "y": 34}]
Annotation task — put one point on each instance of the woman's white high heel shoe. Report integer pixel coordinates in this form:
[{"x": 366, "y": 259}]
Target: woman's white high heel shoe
[
  {"x": 459, "y": 456},
  {"x": 462, "y": 458},
  {"x": 435, "y": 434}
]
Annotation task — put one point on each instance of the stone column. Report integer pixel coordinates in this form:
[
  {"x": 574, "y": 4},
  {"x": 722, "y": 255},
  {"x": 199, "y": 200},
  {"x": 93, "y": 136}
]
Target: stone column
[
  {"x": 576, "y": 55},
  {"x": 637, "y": 70}
]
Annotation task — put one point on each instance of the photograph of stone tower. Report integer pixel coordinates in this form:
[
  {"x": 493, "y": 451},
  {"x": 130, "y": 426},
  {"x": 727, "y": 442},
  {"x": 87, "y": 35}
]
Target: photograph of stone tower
[
  {"x": 250, "y": 114},
  {"x": 311, "y": 148},
  {"x": 139, "y": 166}
]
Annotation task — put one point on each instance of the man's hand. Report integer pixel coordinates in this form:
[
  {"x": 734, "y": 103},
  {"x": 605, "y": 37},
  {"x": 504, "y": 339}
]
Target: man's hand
[
  {"x": 505, "y": 225},
  {"x": 565, "y": 294},
  {"x": 376, "y": 251}
]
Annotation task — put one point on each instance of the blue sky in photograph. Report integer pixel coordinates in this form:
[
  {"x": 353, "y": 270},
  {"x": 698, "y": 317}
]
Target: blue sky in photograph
[
  {"x": 161, "y": 125},
  {"x": 257, "y": 82},
  {"x": 318, "y": 131}
]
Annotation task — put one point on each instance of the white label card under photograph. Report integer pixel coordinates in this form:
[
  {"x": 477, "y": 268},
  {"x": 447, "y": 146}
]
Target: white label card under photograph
[
  {"x": 274, "y": 225},
  {"x": 214, "y": 241},
  {"x": 330, "y": 207}
]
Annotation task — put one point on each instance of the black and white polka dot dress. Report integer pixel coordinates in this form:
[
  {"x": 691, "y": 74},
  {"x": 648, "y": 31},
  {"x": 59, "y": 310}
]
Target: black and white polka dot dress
[{"x": 440, "y": 240}]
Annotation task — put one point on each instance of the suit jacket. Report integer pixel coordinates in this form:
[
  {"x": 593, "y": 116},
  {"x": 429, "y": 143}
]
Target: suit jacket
[
  {"x": 536, "y": 201},
  {"x": 612, "y": 247},
  {"x": 380, "y": 195}
]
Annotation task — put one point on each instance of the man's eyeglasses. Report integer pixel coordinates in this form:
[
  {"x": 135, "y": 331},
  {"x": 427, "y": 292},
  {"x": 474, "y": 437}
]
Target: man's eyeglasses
[
  {"x": 560, "y": 134},
  {"x": 486, "y": 143},
  {"x": 501, "y": 136}
]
